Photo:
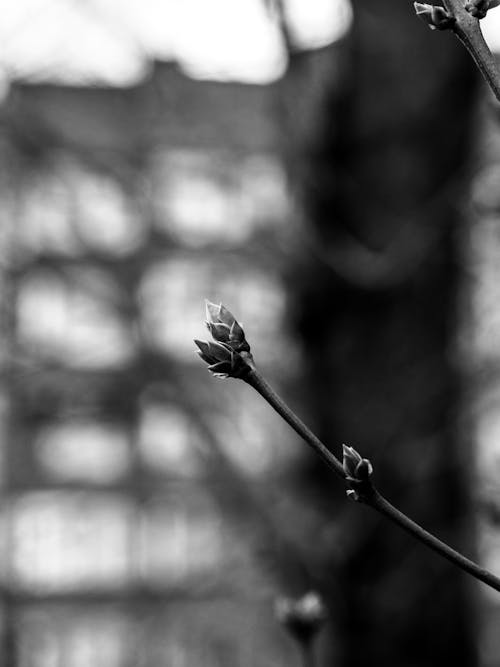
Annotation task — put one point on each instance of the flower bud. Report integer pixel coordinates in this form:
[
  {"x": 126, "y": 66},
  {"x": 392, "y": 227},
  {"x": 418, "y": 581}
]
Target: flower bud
[
  {"x": 219, "y": 331},
  {"x": 351, "y": 459},
  {"x": 302, "y": 617},
  {"x": 229, "y": 354},
  {"x": 358, "y": 472},
  {"x": 364, "y": 470},
  {"x": 222, "y": 360},
  {"x": 436, "y": 17},
  {"x": 224, "y": 328}
]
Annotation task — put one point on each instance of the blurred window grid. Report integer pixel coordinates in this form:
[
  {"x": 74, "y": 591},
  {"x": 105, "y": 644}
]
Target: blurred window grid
[
  {"x": 117, "y": 545},
  {"x": 140, "y": 175}
]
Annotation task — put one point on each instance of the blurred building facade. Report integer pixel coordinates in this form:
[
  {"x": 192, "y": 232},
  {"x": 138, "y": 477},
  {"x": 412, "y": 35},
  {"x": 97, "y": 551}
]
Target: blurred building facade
[
  {"x": 146, "y": 507},
  {"x": 133, "y": 515}
]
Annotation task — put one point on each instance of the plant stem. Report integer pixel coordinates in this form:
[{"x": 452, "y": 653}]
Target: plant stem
[
  {"x": 258, "y": 382},
  {"x": 373, "y": 499},
  {"x": 467, "y": 29},
  {"x": 383, "y": 506}
]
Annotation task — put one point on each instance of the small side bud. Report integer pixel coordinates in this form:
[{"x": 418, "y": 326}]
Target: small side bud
[
  {"x": 358, "y": 472},
  {"x": 436, "y": 17},
  {"x": 364, "y": 470},
  {"x": 350, "y": 460},
  {"x": 302, "y": 617}
]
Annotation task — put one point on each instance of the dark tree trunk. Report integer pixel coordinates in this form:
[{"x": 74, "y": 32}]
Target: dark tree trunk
[{"x": 380, "y": 165}]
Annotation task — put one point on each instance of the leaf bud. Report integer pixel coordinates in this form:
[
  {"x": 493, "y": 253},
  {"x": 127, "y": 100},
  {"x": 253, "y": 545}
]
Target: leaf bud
[{"x": 436, "y": 17}]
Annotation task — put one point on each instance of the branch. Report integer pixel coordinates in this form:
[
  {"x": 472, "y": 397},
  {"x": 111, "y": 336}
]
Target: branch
[
  {"x": 258, "y": 382},
  {"x": 230, "y": 356},
  {"x": 463, "y": 19}
]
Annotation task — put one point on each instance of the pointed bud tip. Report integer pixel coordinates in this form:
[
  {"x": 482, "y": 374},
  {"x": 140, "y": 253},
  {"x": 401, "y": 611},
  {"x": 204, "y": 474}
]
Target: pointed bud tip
[
  {"x": 212, "y": 311},
  {"x": 350, "y": 453},
  {"x": 436, "y": 16},
  {"x": 210, "y": 304},
  {"x": 226, "y": 316},
  {"x": 421, "y": 8}
]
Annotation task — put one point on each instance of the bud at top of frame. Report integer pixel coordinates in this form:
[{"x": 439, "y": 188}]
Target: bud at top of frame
[{"x": 436, "y": 17}]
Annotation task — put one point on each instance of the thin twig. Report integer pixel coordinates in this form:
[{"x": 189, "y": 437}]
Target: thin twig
[
  {"x": 373, "y": 498},
  {"x": 383, "y": 506},
  {"x": 258, "y": 382},
  {"x": 230, "y": 356}
]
